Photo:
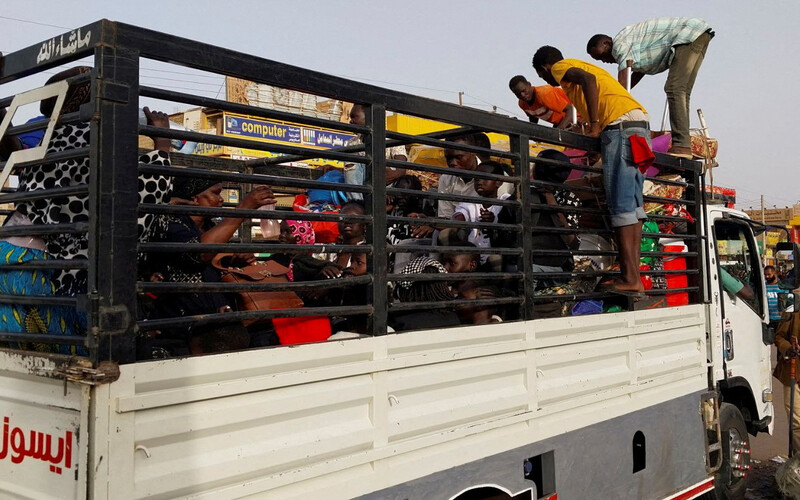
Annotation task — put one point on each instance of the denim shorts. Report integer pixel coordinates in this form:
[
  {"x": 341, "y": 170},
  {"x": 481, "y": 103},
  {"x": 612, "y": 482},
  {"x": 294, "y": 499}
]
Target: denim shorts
[{"x": 621, "y": 178}]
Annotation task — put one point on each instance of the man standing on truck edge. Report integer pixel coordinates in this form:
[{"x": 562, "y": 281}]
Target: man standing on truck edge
[
  {"x": 675, "y": 43},
  {"x": 614, "y": 116}
]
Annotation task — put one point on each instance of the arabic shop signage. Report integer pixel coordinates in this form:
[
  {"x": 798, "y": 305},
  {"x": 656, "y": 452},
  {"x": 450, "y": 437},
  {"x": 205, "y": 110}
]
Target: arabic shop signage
[
  {"x": 55, "y": 47},
  {"x": 283, "y": 133}
]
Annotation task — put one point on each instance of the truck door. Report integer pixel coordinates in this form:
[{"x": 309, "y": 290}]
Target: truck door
[{"x": 742, "y": 297}]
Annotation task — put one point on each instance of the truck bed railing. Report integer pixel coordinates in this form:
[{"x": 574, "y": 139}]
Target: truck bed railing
[{"x": 110, "y": 303}]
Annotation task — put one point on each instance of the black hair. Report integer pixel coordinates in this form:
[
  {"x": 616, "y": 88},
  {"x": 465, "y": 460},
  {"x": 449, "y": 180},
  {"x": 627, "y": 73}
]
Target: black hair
[
  {"x": 354, "y": 203},
  {"x": 425, "y": 291},
  {"x": 412, "y": 181},
  {"x": 769, "y": 267},
  {"x": 547, "y": 171},
  {"x": 222, "y": 337},
  {"x": 475, "y": 257},
  {"x": 596, "y": 40},
  {"x": 517, "y": 80},
  {"x": 477, "y": 139},
  {"x": 546, "y": 55},
  {"x": 497, "y": 167}
]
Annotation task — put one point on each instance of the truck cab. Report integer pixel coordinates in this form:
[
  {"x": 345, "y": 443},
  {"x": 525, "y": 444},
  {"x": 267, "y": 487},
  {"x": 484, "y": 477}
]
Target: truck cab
[{"x": 740, "y": 352}]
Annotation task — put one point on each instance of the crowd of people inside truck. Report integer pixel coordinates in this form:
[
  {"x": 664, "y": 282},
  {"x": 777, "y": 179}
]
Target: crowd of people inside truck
[{"x": 580, "y": 96}]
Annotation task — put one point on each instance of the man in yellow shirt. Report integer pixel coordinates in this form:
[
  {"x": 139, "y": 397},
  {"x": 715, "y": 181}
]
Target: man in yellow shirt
[{"x": 614, "y": 116}]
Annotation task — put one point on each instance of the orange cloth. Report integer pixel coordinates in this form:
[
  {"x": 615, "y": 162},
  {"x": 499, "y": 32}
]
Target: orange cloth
[
  {"x": 613, "y": 100},
  {"x": 548, "y": 104}
]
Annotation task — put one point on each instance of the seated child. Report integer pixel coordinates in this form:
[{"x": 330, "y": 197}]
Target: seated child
[
  {"x": 486, "y": 212},
  {"x": 477, "y": 315},
  {"x": 423, "y": 291},
  {"x": 461, "y": 262},
  {"x": 403, "y": 233},
  {"x": 350, "y": 233}
]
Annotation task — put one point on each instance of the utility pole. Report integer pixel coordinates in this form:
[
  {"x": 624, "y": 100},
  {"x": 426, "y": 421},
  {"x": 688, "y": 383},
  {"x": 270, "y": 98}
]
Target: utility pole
[
  {"x": 763, "y": 235},
  {"x": 460, "y": 98}
]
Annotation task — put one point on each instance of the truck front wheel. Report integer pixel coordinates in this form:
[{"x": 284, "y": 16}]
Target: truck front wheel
[{"x": 731, "y": 479}]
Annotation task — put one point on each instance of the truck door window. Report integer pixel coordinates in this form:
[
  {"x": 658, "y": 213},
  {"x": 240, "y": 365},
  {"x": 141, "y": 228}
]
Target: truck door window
[{"x": 737, "y": 257}]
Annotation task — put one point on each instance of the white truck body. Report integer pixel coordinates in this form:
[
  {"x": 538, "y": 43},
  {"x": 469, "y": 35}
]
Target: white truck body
[{"x": 343, "y": 419}]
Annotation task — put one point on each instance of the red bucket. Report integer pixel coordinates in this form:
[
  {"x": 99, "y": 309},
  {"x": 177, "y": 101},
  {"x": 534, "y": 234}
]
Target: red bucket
[{"x": 302, "y": 330}]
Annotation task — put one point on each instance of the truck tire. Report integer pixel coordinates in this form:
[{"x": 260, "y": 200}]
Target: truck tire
[{"x": 729, "y": 484}]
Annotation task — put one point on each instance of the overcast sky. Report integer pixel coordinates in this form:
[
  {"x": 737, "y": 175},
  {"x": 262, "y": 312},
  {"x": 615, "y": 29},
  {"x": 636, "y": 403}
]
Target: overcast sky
[{"x": 746, "y": 86}]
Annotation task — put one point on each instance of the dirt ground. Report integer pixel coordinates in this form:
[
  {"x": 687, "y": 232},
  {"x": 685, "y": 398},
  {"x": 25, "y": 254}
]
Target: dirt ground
[{"x": 761, "y": 485}]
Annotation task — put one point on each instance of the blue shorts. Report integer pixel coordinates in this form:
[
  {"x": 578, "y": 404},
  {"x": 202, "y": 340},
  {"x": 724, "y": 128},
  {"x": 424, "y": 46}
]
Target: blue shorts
[{"x": 621, "y": 178}]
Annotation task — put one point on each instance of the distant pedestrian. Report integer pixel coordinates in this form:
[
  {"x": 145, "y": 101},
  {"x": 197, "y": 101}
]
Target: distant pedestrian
[
  {"x": 773, "y": 289},
  {"x": 677, "y": 44}
]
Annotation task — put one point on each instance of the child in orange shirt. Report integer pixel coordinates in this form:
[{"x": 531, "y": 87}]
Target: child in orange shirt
[{"x": 546, "y": 103}]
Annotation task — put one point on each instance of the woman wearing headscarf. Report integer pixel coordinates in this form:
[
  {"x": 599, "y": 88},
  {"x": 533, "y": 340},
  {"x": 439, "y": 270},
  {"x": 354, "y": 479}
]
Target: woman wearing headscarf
[
  {"x": 193, "y": 267},
  {"x": 423, "y": 291},
  {"x": 63, "y": 210}
]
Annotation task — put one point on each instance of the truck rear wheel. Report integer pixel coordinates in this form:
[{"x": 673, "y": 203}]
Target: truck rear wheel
[{"x": 730, "y": 482}]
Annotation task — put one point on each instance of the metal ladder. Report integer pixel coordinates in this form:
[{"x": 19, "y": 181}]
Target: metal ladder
[{"x": 709, "y": 410}]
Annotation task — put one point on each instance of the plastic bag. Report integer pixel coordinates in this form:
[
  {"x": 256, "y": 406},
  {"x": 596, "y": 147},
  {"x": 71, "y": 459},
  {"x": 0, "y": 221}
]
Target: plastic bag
[
  {"x": 649, "y": 244},
  {"x": 587, "y": 307}
]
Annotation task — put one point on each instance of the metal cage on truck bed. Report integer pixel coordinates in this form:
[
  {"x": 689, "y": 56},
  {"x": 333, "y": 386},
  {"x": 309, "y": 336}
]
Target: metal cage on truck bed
[{"x": 112, "y": 111}]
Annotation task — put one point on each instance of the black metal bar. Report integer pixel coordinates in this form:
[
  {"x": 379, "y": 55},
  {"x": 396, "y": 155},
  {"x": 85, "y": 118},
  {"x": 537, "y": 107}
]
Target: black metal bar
[
  {"x": 221, "y": 140},
  {"x": 421, "y": 167},
  {"x": 454, "y": 249},
  {"x": 47, "y": 264},
  {"x": 454, "y": 276},
  {"x": 414, "y": 306},
  {"x": 32, "y": 300},
  {"x": 253, "y": 247},
  {"x": 243, "y": 109},
  {"x": 434, "y": 135},
  {"x": 445, "y": 144},
  {"x": 251, "y": 178},
  {"x": 521, "y": 144},
  {"x": 42, "y": 194},
  {"x": 456, "y": 223},
  {"x": 151, "y": 208},
  {"x": 44, "y": 229},
  {"x": 454, "y": 197},
  {"x": 38, "y": 337},
  {"x": 112, "y": 202},
  {"x": 167, "y": 287},
  {"x": 233, "y": 317},
  {"x": 375, "y": 142}
]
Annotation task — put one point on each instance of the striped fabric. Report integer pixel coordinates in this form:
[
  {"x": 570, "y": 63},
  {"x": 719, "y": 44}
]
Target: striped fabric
[
  {"x": 772, "y": 301},
  {"x": 650, "y": 44}
]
